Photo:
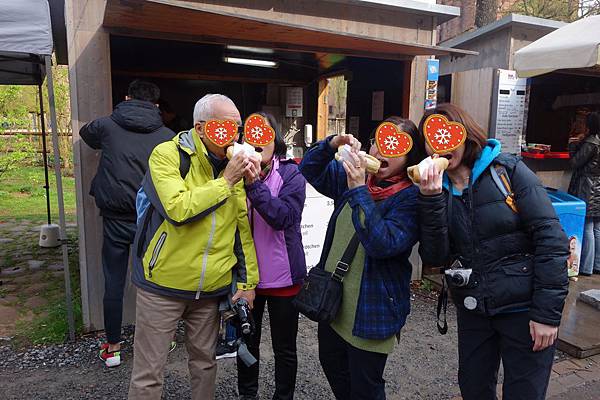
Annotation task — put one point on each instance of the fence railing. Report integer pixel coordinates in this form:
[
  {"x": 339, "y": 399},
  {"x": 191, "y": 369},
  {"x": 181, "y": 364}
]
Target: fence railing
[{"x": 35, "y": 138}]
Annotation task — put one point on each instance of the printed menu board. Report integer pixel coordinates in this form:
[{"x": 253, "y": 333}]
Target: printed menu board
[{"x": 510, "y": 110}]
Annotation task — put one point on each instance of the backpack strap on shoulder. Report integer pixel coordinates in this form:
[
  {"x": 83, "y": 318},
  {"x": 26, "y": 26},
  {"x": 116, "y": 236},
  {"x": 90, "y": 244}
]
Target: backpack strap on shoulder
[
  {"x": 184, "y": 162},
  {"x": 184, "y": 167},
  {"x": 501, "y": 179}
]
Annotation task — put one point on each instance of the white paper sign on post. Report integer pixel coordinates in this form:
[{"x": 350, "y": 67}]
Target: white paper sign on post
[{"x": 315, "y": 218}]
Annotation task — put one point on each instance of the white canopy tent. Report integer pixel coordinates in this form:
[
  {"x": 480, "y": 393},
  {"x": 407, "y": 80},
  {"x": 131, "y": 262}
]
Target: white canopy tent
[
  {"x": 25, "y": 59},
  {"x": 574, "y": 46}
]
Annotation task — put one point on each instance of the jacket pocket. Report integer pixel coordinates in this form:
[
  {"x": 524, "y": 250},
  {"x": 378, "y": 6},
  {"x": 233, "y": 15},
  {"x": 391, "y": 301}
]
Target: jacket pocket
[
  {"x": 511, "y": 282},
  {"x": 391, "y": 295},
  {"x": 156, "y": 252}
]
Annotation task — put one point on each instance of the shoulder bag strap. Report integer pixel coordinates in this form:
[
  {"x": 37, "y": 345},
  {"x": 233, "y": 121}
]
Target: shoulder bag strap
[
  {"x": 184, "y": 162},
  {"x": 343, "y": 266}
]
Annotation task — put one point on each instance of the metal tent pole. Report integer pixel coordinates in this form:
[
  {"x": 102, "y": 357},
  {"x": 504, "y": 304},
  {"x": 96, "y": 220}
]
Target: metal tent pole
[
  {"x": 45, "y": 153},
  {"x": 61, "y": 202}
]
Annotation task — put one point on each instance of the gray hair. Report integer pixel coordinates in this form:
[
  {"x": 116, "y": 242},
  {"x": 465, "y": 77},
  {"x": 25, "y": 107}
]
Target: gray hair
[{"x": 203, "y": 110}]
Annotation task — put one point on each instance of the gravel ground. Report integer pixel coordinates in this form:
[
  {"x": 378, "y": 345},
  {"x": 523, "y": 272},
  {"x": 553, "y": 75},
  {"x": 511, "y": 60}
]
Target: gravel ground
[{"x": 423, "y": 366}]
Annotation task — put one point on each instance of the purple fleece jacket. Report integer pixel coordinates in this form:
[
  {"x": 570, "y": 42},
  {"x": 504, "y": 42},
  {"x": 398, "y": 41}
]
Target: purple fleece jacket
[{"x": 275, "y": 212}]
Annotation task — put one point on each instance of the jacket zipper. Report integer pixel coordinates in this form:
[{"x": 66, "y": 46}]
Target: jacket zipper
[
  {"x": 156, "y": 252},
  {"x": 205, "y": 257}
]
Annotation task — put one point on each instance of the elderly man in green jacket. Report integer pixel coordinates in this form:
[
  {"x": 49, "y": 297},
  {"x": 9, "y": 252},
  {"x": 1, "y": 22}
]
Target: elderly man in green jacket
[{"x": 193, "y": 239}]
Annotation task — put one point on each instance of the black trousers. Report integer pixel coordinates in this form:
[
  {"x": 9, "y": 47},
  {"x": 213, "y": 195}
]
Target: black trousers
[
  {"x": 484, "y": 341},
  {"x": 117, "y": 238},
  {"x": 284, "y": 329},
  {"x": 352, "y": 373}
]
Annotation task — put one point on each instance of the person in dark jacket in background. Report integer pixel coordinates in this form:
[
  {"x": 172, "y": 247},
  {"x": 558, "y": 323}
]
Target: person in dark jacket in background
[
  {"x": 381, "y": 211},
  {"x": 511, "y": 307},
  {"x": 585, "y": 184},
  {"x": 126, "y": 139},
  {"x": 276, "y": 195}
]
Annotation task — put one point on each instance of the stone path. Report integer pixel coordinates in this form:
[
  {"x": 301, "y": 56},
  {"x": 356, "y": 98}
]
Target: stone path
[
  {"x": 569, "y": 375},
  {"x": 26, "y": 273}
]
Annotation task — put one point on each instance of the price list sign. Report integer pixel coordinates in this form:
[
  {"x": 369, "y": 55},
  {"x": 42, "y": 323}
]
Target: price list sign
[
  {"x": 315, "y": 217},
  {"x": 510, "y": 110}
]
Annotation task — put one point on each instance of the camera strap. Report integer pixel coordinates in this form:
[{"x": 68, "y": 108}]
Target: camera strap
[{"x": 442, "y": 305}]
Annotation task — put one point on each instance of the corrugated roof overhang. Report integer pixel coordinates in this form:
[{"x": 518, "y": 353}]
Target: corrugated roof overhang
[{"x": 192, "y": 22}]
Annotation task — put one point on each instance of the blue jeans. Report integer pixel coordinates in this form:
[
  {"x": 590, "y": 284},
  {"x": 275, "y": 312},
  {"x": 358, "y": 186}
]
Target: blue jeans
[
  {"x": 590, "y": 251},
  {"x": 230, "y": 333}
]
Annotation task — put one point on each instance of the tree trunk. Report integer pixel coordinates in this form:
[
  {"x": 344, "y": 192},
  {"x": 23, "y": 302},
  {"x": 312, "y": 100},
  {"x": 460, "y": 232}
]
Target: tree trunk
[{"x": 485, "y": 12}]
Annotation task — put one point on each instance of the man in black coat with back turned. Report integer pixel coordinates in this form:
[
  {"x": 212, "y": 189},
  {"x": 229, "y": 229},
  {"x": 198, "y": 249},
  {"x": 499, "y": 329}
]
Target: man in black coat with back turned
[{"x": 126, "y": 138}]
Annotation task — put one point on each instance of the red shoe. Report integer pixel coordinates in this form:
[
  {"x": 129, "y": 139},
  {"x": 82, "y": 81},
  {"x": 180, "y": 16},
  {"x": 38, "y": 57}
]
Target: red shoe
[{"x": 110, "y": 359}]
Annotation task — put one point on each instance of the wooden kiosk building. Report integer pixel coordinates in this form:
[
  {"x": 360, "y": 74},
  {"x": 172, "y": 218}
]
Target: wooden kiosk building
[{"x": 183, "y": 46}]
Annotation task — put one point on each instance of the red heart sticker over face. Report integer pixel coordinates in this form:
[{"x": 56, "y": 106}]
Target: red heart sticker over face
[
  {"x": 257, "y": 131},
  {"x": 219, "y": 132},
  {"x": 442, "y": 135},
  {"x": 391, "y": 141}
]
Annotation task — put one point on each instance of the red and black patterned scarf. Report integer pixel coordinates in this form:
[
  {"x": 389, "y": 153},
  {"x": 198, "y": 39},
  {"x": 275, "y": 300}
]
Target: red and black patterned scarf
[{"x": 387, "y": 187}]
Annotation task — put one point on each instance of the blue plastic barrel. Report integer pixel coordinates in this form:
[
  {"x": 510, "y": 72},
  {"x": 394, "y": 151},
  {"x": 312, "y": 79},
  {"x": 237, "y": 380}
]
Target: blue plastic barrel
[{"x": 571, "y": 213}]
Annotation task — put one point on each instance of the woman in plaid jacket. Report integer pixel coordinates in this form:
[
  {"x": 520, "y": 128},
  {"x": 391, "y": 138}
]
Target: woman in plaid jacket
[{"x": 381, "y": 210}]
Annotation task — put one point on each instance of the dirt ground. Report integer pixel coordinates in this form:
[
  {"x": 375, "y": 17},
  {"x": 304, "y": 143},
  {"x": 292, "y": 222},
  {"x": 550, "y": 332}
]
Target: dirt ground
[{"x": 423, "y": 366}]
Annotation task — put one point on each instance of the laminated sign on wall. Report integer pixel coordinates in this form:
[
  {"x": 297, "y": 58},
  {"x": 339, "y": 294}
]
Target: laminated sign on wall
[
  {"x": 509, "y": 107},
  {"x": 293, "y": 102}
]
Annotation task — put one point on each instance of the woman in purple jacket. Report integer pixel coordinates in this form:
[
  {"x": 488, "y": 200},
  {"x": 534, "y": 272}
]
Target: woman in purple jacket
[{"x": 276, "y": 199}]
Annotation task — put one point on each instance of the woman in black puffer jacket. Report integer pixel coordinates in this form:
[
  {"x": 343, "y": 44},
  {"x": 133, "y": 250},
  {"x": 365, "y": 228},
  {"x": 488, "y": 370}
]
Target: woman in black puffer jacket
[
  {"x": 585, "y": 184},
  {"x": 511, "y": 306}
]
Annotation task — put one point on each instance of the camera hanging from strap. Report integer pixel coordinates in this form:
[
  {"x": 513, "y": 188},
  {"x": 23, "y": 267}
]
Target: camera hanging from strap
[{"x": 442, "y": 304}]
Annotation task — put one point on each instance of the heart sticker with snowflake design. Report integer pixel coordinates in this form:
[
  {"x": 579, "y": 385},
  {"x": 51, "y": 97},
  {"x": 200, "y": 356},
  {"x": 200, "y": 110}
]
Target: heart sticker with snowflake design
[
  {"x": 391, "y": 141},
  {"x": 442, "y": 135},
  {"x": 219, "y": 132},
  {"x": 257, "y": 131}
]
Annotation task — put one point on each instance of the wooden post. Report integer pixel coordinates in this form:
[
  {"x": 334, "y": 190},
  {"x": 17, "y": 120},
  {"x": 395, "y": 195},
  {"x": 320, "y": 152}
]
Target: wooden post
[
  {"x": 406, "y": 79},
  {"x": 417, "y": 88},
  {"x": 322, "y": 109},
  {"x": 91, "y": 97}
]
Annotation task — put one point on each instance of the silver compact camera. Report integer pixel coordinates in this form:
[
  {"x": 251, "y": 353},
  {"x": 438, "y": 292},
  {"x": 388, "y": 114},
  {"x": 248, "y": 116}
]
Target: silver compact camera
[{"x": 457, "y": 275}]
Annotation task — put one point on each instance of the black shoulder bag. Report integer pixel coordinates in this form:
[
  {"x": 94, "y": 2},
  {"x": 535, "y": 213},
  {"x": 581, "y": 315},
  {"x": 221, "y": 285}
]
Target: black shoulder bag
[{"x": 321, "y": 295}]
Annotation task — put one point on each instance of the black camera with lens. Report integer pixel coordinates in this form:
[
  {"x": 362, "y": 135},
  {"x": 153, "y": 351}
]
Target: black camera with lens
[{"x": 242, "y": 310}]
